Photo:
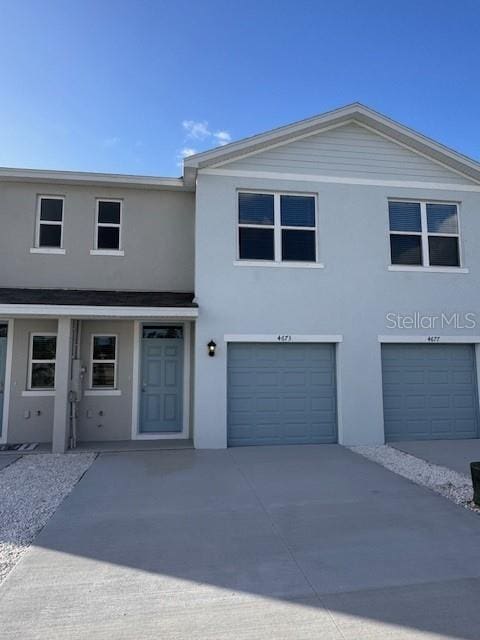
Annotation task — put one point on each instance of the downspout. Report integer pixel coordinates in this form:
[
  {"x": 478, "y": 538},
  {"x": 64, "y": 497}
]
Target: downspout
[{"x": 75, "y": 390}]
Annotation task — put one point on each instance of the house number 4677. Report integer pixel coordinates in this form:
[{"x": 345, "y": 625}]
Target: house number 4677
[{"x": 284, "y": 338}]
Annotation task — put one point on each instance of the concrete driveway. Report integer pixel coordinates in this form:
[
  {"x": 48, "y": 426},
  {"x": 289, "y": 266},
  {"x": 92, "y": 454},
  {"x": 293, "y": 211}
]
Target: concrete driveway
[
  {"x": 308, "y": 542},
  {"x": 454, "y": 454}
]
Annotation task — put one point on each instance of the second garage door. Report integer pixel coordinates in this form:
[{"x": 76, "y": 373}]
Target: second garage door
[
  {"x": 429, "y": 391},
  {"x": 281, "y": 394}
]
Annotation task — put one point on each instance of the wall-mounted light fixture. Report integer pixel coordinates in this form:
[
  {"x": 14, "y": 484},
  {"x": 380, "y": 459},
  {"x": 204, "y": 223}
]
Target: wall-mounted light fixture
[{"x": 211, "y": 348}]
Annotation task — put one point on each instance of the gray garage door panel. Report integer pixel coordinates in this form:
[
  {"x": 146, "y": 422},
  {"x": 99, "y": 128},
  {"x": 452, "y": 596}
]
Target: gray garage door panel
[
  {"x": 281, "y": 394},
  {"x": 429, "y": 391}
]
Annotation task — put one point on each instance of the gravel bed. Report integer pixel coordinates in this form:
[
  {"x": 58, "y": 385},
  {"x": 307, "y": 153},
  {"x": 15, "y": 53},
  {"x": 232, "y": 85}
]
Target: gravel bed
[
  {"x": 31, "y": 490},
  {"x": 450, "y": 484}
]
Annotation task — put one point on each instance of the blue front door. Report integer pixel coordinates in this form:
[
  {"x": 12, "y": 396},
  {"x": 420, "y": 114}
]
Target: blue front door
[
  {"x": 3, "y": 358},
  {"x": 161, "y": 379}
]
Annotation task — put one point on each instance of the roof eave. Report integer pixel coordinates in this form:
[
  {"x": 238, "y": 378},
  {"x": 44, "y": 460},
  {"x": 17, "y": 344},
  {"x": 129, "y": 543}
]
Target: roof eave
[{"x": 8, "y": 174}]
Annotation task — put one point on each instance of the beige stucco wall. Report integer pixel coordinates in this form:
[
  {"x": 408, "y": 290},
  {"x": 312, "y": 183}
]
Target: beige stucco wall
[{"x": 30, "y": 418}]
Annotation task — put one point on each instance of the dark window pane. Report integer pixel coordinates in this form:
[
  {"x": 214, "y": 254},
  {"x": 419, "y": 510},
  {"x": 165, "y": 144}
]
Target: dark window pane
[
  {"x": 406, "y": 249},
  {"x": 3, "y": 330},
  {"x": 443, "y": 251},
  {"x": 298, "y": 245},
  {"x": 103, "y": 375},
  {"x": 51, "y": 209},
  {"x": 44, "y": 347},
  {"x": 108, "y": 238},
  {"x": 255, "y": 208},
  {"x": 442, "y": 218},
  {"x": 104, "y": 347},
  {"x": 297, "y": 211},
  {"x": 109, "y": 212},
  {"x": 166, "y": 332},
  {"x": 50, "y": 235},
  {"x": 404, "y": 216},
  {"x": 43, "y": 376},
  {"x": 256, "y": 244}
]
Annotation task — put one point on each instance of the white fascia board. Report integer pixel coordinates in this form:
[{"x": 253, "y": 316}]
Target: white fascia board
[
  {"x": 281, "y": 338},
  {"x": 367, "y": 182},
  {"x": 79, "y": 311},
  {"x": 88, "y": 178},
  {"x": 429, "y": 339}
]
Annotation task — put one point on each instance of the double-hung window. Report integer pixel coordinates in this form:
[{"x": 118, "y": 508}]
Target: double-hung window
[
  {"x": 424, "y": 234},
  {"x": 49, "y": 231},
  {"x": 104, "y": 362},
  {"x": 43, "y": 353},
  {"x": 108, "y": 225},
  {"x": 277, "y": 227}
]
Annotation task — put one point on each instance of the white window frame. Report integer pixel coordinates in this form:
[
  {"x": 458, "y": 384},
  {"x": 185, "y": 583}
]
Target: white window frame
[
  {"x": 108, "y": 252},
  {"x": 38, "y": 222},
  {"x": 114, "y": 362},
  {"x": 31, "y": 362},
  {"x": 424, "y": 235},
  {"x": 277, "y": 231}
]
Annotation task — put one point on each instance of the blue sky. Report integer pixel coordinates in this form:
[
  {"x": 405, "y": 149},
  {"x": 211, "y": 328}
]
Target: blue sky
[{"x": 126, "y": 86}]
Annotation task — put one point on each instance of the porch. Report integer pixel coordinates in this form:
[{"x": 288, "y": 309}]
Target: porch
[{"x": 96, "y": 377}]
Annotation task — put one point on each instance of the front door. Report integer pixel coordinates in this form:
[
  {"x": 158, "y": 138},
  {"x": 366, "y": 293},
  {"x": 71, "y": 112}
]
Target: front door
[
  {"x": 3, "y": 358},
  {"x": 161, "y": 406}
]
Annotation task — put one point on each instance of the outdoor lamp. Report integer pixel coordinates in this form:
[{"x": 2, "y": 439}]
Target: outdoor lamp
[{"x": 211, "y": 348}]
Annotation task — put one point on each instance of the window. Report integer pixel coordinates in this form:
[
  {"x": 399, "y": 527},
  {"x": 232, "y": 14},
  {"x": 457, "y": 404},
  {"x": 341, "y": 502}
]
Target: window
[
  {"x": 109, "y": 220},
  {"x": 424, "y": 234},
  {"x": 162, "y": 332},
  {"x": 277, "y": 227},
  {"x": 49, "y": 222},
  {"x": 104, "y": 362},
  {"x": 43, "y": 351}
]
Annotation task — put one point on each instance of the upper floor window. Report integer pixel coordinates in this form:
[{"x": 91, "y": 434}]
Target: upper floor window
[
  {"x": 109, "y": 223},
  {"x": 424, "y": 234},
  {"x": 277, "y": 227},
  {"x": 49, "y": 232}
]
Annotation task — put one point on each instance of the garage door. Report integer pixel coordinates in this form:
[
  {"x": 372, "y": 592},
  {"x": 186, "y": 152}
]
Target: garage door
[
  {"x": 429, "y": 391},
  {"x": 281, "y": 394}
]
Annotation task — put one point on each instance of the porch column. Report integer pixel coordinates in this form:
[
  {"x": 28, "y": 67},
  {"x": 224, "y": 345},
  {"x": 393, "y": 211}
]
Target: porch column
[{"x": 62, "y": 386}]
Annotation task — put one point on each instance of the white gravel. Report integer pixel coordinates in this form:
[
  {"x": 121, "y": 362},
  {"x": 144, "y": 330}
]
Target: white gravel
[
  {"x": 450, "y": 484},
  {"x": 31, "y": 490}
]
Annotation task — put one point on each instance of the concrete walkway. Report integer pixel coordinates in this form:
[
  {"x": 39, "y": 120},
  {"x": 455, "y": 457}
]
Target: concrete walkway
[
  {"x": 6, "y": 459},
  {"x": 309, "y": 542},
  {"x": 454, "y": 454}
]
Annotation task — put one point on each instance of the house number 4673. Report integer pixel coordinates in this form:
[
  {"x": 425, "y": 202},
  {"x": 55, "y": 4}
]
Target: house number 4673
[{"x": 284, "y": 338}]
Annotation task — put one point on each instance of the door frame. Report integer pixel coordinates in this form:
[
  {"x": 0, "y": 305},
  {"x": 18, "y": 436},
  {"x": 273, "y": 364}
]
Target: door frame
[
  {"x": 136, "y": 390},
  {"x": 8, "y": 378}
]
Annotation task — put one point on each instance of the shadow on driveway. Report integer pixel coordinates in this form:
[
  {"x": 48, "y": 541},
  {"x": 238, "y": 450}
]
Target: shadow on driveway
[{"x": 267, "y": 542}]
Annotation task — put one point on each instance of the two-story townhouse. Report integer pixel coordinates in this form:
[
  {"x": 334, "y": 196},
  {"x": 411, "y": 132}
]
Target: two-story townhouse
[
  {"x": 337, "y": 270},
  {"x": 316, "y": 283},
  {"x": 96, "y": 307}
]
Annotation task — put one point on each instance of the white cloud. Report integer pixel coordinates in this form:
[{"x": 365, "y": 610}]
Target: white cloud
[
  {"x": 184, "y": 153},
  {"x": 222, "y": 137},
  {"x": 198, "y": 130},
  {"x": 187, "y": 151}
]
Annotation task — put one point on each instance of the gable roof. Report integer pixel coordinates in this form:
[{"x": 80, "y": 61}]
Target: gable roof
[{"x": 355, "y": 112}]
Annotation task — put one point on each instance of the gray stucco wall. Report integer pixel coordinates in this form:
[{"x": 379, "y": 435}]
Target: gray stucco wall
[
  {"x": 157, "y": 237},
  {"x": 37, "y": 426},
  {"x": 350, "y": 296},
  {"x": 115, "y": 423}
]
